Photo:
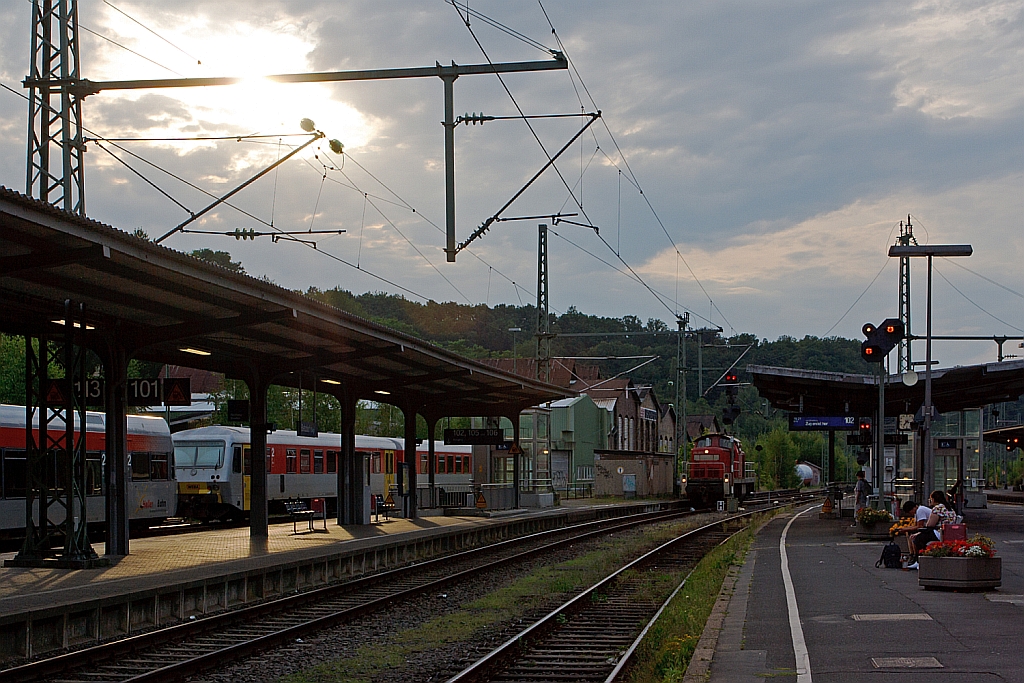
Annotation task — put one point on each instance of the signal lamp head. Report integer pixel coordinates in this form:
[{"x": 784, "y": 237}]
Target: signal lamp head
[{"x": 868, "y": 329}]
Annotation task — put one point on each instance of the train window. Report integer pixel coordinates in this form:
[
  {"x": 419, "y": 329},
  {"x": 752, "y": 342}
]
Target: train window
[
  {"x": 291, "y": 460},
  {"x": 332, "y": 462},
  {"x": 389, "y": 462},
  {"x": 270, "y": 459},
  {"x": 458, "y": 464},
  {"x": 451, "y": 464},
  {"x": 199, "y": 454},
  {"x": 703, "y": 443},
  {"x": 424, "y": 462},
  {"x": 318, "y": 462},
  {"x": 375, "y": 462},
  {"x": 140, "y": 466},
  {"x": 236, "y": 460},
  {"x": 247, "y": 461},
  {"x": 14, "y": 473},
  {"x": 93, "y": 474},
  {"x": 304, "y": 461},
  {"x": 158, "y": 466}
]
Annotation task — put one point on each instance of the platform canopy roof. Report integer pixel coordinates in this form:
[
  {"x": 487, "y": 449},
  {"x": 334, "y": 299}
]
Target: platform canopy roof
[
  {"x": 156, "y": 301},
  {"x": 839, "y": 393}
]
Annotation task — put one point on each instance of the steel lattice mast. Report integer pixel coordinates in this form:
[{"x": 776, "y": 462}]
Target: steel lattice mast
[
  {"x": 906, "y": 238},
  {"x": 55, "y": 166}
]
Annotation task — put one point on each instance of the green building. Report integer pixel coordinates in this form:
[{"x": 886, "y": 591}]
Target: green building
[{"x": 578, "y": 427}]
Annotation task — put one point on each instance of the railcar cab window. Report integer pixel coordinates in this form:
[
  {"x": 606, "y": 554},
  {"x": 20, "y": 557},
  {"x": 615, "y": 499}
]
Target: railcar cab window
[{"x": 199, "y": 454}]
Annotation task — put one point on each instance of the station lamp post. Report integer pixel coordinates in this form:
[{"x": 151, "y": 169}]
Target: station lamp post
[{"x": 930, "y": 251}]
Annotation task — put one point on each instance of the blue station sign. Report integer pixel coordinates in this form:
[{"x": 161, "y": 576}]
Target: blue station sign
[{"x": 822, "y": 423}]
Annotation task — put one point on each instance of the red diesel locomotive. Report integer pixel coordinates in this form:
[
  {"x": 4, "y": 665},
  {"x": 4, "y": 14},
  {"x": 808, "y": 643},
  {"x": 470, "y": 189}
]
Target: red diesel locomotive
[{"x": 717, "y": 470}]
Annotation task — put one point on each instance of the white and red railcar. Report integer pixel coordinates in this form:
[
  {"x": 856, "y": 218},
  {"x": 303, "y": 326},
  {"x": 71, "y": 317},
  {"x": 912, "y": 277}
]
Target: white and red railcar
[
  {"x": 214, "y": 468},
  {"x": 152, "y": 491}
]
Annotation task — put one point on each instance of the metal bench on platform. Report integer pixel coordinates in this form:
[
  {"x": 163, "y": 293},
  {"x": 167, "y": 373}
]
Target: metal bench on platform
[{"x": 297, "y": 510}]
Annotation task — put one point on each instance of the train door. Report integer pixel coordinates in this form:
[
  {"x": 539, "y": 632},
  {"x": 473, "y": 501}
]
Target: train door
[
  {"x": 246, "y": 477},
  {"x": 389, "y": 471}
]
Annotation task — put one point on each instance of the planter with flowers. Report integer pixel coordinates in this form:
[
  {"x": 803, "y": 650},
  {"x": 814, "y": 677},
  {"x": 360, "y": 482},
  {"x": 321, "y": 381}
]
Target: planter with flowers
[
  {"x": 963, "y": 565},
  {"x": 872, "y": 524}
]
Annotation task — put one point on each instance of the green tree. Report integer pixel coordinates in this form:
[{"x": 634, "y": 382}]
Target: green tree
[
  {"x": 776, "y": 461},
  {"x": 221, "y": 258}
]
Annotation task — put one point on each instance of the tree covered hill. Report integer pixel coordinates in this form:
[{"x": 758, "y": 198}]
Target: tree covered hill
[{"x": 483, "y": 332}]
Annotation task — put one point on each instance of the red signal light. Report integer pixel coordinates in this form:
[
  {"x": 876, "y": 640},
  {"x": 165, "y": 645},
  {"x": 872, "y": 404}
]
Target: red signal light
[
  {"x": 889, "y": 329},
  {"x": 869, "y": 351}
]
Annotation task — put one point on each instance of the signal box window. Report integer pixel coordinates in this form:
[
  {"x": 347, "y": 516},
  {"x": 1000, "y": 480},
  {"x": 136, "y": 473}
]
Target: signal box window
[
  {"x": 332, "y": 462},
  {"x": 291, "y": 460},
  {"x": 318, "y": 462},
  {"x": 304, "y": 461}
]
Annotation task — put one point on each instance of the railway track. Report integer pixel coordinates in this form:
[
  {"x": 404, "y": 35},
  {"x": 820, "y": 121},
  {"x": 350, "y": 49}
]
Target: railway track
[
  {"x": 190, "y": 648},
  {"x": 593, "y": 637}
]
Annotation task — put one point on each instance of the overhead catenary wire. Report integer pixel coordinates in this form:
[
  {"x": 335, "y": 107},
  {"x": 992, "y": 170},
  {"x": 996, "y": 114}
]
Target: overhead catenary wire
[
  {"x": 973, "y": 302},
  {"x": 625, "y": 162},
  {"x": 553, "y": 165},
  {"x": 139, "y": 23},
  {"x": 334, "y": 257}
]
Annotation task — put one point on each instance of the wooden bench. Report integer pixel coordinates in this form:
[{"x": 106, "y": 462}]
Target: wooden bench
[{"x": 297, "y": 510}]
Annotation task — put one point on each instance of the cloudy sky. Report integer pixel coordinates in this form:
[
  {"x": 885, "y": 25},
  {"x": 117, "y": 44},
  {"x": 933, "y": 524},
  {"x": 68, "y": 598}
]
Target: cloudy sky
[{"x": 778, "y": 145}]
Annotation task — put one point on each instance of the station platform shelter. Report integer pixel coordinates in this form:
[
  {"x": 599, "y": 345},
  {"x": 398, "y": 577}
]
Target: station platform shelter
[{"x": 859, "y": 623}]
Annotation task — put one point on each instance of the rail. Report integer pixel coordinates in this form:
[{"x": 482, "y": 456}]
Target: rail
[
  {"x": 219, "y": 639},
  {"x": 593, "y": 636}
]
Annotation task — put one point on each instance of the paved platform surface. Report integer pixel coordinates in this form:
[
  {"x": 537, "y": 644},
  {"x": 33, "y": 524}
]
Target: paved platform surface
[
  {"x": 860, "y": 623},
  {"x": 157, "y": 561}
]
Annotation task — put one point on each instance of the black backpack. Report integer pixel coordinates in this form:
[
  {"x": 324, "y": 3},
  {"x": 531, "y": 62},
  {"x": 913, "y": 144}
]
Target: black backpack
[{"x": 891, "y": 557}]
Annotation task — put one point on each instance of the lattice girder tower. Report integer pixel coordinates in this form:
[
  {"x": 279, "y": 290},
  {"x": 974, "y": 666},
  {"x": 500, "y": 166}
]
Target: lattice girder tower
[
  {"x": 54, "y": 109},
  {"x": 906, "y": 238}
]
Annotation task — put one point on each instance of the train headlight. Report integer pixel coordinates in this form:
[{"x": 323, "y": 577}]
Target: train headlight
[
  {"x": 683, "y": 479},
  {"x": 727, "y": 478}
]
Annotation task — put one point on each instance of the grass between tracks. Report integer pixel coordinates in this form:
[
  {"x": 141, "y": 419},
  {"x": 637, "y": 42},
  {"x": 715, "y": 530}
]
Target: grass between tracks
[
  {"x": 540, "y": 590},
  {"x": 669, "y": 645}
]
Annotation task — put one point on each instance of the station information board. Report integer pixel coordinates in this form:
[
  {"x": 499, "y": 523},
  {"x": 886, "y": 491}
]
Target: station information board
[
  {"x": 474, "y": 437},
  {"x": 822, "y": 423}
]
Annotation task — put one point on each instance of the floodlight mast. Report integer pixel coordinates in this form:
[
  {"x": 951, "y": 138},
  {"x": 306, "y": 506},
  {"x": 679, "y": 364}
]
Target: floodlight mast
[{"x": 56, "y": 93}]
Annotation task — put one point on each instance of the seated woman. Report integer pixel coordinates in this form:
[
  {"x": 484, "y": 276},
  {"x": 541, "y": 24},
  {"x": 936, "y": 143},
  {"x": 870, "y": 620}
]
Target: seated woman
[{"x": 932, "y": 528}]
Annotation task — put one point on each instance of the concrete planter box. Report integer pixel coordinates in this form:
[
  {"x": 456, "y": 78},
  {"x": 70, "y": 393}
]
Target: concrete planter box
[
  {"x": 965, "y": 573},
  {"x": 873, "y": 532}
]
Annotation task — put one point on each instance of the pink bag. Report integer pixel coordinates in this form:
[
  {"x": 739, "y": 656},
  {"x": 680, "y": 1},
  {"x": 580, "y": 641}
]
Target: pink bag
[{"x": 954, "y": 532}]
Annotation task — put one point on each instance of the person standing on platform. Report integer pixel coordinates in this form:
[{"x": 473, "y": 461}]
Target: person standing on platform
[{"x": 862, "y": 489}]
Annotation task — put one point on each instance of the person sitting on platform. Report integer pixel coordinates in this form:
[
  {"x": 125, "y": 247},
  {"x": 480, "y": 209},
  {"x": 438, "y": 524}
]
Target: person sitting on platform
[{"x": 932, "y": 530}]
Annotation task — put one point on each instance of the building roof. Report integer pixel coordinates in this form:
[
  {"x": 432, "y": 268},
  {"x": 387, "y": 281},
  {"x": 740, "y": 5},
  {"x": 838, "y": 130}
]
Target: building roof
[{"x": 156, "y": 302}]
